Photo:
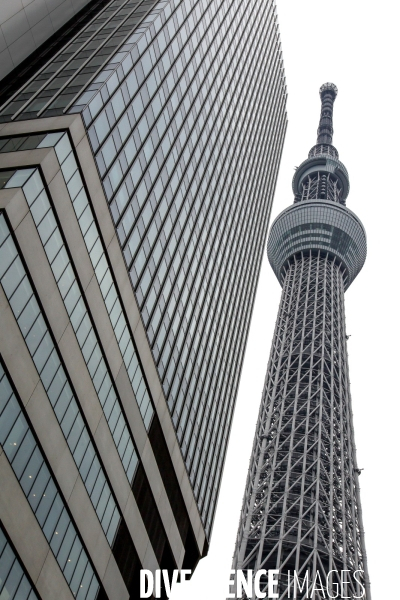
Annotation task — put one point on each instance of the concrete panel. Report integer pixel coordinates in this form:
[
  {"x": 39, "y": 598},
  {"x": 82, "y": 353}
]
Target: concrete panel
[
  {"x": 18, "y": 519},
  {"x": 42, "y": 30},
  {"x": 62, "y": 14},
  {"x": 26, "y": 24},
  {"x": 22, "y": 47},
  {"x": 35, "y": 125},
  {"x": 139, "y": 534},
  {"x": 112, "y": 463},
  {"x": 50, "y": 586},
  {"x": 15, "y": 27},
  {"x": 103, "y": 325},
  {"x": 123, "y": 282},
  {"x": 42, "y": 276},
  {"x": 113, "y": 582},
  {"x": 89, "y": 527},
  {"x": 53, "y": 4},
  {"x": 95, "y": 189},
  {"x": 52, "y": 440},
  {"x": 74, "y": 362},
  {"x": 15, "y": 353},
  {"x": 6, "y": 63},
  {"x": 71, "y": 230},
  {"x": 146, "y": 357},
  {"x": 131, "y": 409},
  {"x": 80, "y": 378},
  {"x": 3, "y": 43},
  {"x": 36, "y": 11},
  {"x": 161, "y": 498},
  {"x": 9, "y": 8},
  {"x": 13, "y": 200}
]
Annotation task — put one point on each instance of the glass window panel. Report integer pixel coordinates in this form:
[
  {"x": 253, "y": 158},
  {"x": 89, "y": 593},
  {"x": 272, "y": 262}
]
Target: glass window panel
[
  {"x": 15, "y": 437},
  {"x": 59, "y": 263},
  {"x": 83, "y": 330},
  {"x": 77, "y": 315},
  {"x": 24, "y": 589},
  {"x": 59, "y": 532},
  {"x": 93, "y": 589},
  {"x": 96, "y": 252},
  {"x": 40, "y": 207},
  {"x": 36, "y": 334},
  {"x": 43, "y": 352},
  {"x": 108, "y": 513},
  {"x": 33, "y": 187},
  {"x": 72, "y": 297},
  {"x": 31, "y": 470},
  {"x": 29, "y": 314},
  {"x": 98, "y": 488},
  {"x": 7, "y": 560},
  {"x": 69, "y": 418},
  {"x": 63, "y": 148},
  {"x": 23, "y": 454},
  {"x": 19, "y": 178},
  {"x": 75, "y": 432},
  {"x": 53, "y": 517},
  {"x": 46, "y": 502},
  {"x": 47, "y": 226},
  {"x": 56, "y": 386},
  {"x": 75, "y": 185},
  {"x": 92, "y": 475},
  {"x": 7, "y": 252},
  {"x": 78, "y": 573},
  {"x": 72, "y": 559},
  {"x": 112, "y": 528},
  {"x": 109, "y": 151},
  {"x": 20, "y": 297},
  {"x": 80, "y": 202},
  {"x": 66, "y": 545},
  {"x": 13, "y": 277},
  {"x": 81, "y": 446},
  {"x": 12, "y": 581},
  {"x": 51, "y": 139},
  {"x": 69, "y": 166},
  {"x": 50, "y": 369},
  {"x": 86, "y": 219},
  {"x": 39, "y": 487},
  {"x": 66, "y": 280},
  {"x": 102, "y": 503}
]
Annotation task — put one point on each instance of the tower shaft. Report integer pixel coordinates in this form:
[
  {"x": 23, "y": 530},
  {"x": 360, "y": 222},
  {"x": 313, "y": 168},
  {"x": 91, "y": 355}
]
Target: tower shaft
[{"x": 301, "y": 511}]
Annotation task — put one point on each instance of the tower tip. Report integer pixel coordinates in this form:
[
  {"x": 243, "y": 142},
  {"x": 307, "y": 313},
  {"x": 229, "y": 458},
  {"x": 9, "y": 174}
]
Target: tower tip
[{"x": 328, "y": 87}]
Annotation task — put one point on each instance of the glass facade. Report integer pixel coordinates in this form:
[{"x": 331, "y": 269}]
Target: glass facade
[
  {"x": 184, "y": 104},
  {"x": 27, "y": 461},
  {"x": 14, "y": 584},
  {"x": 30, "y": 319},
  {"x": 188, "y": 192}
]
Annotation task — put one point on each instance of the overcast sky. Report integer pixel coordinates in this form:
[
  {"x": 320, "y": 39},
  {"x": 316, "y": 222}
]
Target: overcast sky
[{"x": 354, "y": 44}]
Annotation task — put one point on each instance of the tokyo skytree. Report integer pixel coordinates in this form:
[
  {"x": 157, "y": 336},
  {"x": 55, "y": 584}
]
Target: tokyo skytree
[{"x": 301, "y": 512}]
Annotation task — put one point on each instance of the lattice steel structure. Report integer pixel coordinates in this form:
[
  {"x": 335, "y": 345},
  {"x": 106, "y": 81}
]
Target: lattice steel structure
[{"x": 301, "y": 509}]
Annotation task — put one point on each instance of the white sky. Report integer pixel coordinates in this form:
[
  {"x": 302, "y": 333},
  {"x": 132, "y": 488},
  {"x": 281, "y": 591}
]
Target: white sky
[{"x": 354, "y": 44}]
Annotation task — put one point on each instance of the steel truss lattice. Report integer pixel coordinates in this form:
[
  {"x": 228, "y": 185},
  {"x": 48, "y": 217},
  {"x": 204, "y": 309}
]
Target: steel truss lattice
[{"x": 301, "y": 510}]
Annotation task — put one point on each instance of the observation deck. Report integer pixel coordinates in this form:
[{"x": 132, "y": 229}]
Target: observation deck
[
  {"x": 319, "y": 220},
  {"x": 318, "y": 225}
]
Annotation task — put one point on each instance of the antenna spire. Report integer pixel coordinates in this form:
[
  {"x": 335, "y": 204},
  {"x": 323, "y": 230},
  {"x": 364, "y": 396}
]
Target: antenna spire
[{"x": 328, "y": 93}]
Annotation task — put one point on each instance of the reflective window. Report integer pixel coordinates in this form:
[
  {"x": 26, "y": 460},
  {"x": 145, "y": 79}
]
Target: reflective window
[
  {"x": 25, "y": 307},
  {"x": 30, "y": 468}
]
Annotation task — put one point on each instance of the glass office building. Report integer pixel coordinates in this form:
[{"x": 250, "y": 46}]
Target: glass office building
[{"x": 139, "y": 151}]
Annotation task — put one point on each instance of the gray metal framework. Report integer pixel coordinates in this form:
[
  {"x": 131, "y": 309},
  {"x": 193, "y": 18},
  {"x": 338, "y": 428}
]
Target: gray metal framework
[{"x": 301, "y": 509}]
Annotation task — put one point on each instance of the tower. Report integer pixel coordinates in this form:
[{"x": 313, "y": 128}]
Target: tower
[
  {"x": 139, "y": 151},
  {"x": 301, "y": 510}
]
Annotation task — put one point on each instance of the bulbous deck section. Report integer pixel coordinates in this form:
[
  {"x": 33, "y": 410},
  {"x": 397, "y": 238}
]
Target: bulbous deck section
[{"x": 318, "y": 225}]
